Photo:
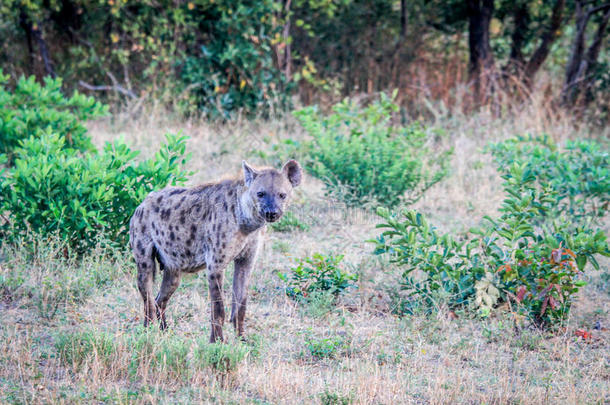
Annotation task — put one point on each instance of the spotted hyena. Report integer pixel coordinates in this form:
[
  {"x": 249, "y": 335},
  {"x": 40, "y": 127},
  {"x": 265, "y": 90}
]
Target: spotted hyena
[{"x": 190, "y": 229}]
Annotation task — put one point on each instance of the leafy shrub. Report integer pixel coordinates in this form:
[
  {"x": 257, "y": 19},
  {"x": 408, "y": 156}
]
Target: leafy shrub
[
  {"x": 522, "y": 256},
  {"x": 82, "y": 197},
  {"x": 362, "y": 157},
  {"x": 32, "y": 110},
  {"x": 288, "y": 223},
  {"x": 315, "y": 274},
  {"x": 235, "y": 70},
  {"x": 579, "y": 174}
]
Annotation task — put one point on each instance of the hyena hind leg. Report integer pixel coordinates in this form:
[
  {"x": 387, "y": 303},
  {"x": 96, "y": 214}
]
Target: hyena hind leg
[
  {"x": 171, "y": 281},
  {"x": 145, "y": 285}
]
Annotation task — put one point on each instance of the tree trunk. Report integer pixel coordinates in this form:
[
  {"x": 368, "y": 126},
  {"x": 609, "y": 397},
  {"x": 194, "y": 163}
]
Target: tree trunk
[
  {"x": 27, "y": 28},
  {"x": 481, "y": 63},
  {"x": 541, "y": 53},
  {"x": 44, "y": 51},
  {"x": 287, "y": 57},
  {"x": 403, "y": 19},
  {"x": 581, "y": 64},
  {"x": 35, "y": 33},
  {"x": 516, "y": 61}
]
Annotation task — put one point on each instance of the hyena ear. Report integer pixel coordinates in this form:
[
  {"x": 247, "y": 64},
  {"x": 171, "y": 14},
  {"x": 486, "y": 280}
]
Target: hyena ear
[
  {"x": 292, "y": 170},
  {"x": 249, "y": 173}
]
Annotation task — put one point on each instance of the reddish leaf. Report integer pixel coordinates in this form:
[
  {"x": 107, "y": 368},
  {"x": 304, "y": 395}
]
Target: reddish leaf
[
  {"x": 544, "y": 305},
  {"x": 521, "y": 293},
  {"x": 504, "y": 267},
  {"x": 583, "y": 334},
  {"x": 553, "y": 302},
  {"x": 569, "y": 252}
]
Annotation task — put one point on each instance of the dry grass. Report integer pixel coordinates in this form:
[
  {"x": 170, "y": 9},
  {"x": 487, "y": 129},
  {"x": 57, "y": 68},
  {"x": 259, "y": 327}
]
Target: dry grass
[{"x": 374, "y": 357}]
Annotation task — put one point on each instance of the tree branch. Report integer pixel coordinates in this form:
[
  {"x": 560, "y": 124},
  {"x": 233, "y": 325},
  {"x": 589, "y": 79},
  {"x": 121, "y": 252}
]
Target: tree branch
[
  {"x": 116, "y": 87},
  {"x": 540, "y": 55}
]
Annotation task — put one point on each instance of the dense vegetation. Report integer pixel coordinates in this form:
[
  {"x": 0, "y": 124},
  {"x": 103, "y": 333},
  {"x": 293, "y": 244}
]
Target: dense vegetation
[{"x": 221, "y": 57}]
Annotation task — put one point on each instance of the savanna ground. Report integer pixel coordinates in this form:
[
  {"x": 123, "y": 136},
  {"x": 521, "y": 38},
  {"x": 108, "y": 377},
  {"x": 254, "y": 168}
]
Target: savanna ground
[{"x": 354, "y": 352}]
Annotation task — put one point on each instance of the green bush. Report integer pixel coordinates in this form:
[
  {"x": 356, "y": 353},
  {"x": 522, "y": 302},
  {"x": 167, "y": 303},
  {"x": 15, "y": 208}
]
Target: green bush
[
  {"x": 362, "y": 157},
  {"x": 235, "y": 70},
  {"x": 526, "y": 255},
  {"x": 318, "y": 273},
  {"x": 82, "y": 197},
  {"x": 32, "y": 109},
  {"x": 579, "y": 174}
]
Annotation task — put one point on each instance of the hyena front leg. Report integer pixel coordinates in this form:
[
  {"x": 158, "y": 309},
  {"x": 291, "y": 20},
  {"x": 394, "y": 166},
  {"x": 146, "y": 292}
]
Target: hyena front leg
[
  {"x": 215, "y": 277},
  {"x": 241, "y": 277}
]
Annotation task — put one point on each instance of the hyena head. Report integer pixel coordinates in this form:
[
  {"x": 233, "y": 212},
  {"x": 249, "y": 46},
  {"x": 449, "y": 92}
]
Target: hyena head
[{"x": 269, "y": 190}]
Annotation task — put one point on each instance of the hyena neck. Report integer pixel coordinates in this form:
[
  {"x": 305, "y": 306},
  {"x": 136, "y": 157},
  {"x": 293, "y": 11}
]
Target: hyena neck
[{"x": 247, "y": 215}]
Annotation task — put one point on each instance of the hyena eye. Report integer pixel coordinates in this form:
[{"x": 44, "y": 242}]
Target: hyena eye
[
  {"x": 282, "y": 196},
  {"x": 260, "y": 194}
]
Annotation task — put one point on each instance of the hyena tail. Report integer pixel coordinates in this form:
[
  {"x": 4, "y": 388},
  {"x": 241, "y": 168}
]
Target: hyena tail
[{"x": 157, "y": 256}]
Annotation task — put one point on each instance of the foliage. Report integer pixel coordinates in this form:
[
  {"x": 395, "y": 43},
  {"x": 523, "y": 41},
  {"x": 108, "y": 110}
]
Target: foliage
[
  {"x": 579, "y": 174},
  {"x": 234, "y": 70},
  {"x": 32, "y": 110},
  {"x": 532, "y": 255},
  {"x": 326, "y": 347},
  {"x": 333, "y": 398},
  {"x": 56, "y": 189},
  {"x": 216, "y": 56},
  {"x": 362, "y": 157},
  {"x": 317, "y": 273}
]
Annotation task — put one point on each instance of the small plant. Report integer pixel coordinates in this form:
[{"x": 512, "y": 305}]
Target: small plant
[
  {"x": 334, "y": 398},
  {"x": 288, "y": 223},
  {"x": 362, "y": 157},
  {"x": 33, "y": 109},
  {"x": 318, "y": 273},
  {"x": 326, "y": 347},
  {"x": 319, "y": 303}
]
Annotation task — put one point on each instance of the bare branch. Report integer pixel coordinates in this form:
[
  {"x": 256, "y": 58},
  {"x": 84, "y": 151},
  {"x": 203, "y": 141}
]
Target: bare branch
[
  {"x": 598, "y": 9},
  {"x": 116, "y": 87}
]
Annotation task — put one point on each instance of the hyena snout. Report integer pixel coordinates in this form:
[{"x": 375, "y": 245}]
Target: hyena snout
[{"x": 272, "y": 215}]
